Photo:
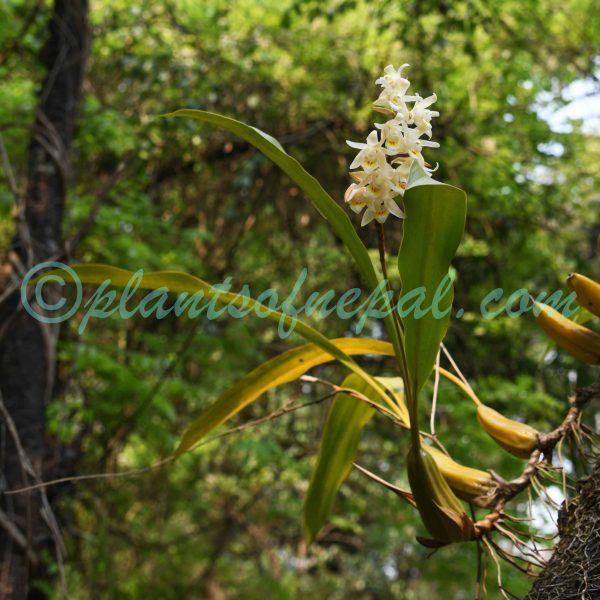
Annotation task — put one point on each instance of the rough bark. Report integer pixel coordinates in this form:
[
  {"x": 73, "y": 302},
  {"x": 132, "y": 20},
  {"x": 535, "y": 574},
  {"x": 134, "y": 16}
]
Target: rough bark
[
  {"x": 573, "y": 572},
  {"x": 27, "y": 346}
]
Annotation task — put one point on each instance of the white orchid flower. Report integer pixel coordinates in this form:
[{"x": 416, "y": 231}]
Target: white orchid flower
[
  {"x": 355, "y": 197},
  {"x": 392, "y": 134},
  {"x": 371, "y": 155},
  {"x": 376, "y": 184},
  {"x": 421, "y": 116},
  {"x": 380, "y": 209},
  {"x": 413, "y": 145},
  {"x": 401, "y": 174},
  {"x": 393, "y": 95},
  {"x": 397, "y": 102},
  {"x": 392, "y": 79}
]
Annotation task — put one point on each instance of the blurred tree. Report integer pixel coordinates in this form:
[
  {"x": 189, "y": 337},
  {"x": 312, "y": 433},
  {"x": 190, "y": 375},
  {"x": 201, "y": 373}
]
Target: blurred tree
[{"x": 27, "y": 346}]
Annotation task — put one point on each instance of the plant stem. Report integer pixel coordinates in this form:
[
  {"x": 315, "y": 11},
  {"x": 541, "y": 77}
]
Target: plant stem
[
  {"x": 399, "y": 327},
  {"x": 383, "y": 262},
  {"x": 381, "y": 240}
]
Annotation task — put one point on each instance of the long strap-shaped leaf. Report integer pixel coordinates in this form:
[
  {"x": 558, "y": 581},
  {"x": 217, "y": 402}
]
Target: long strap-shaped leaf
[
  {"x": 434, "y": 225},
  {"x": 174, "y": 281},
  {"x": 435, "y": 221},
  {"x": 281, "y": 369},
  {"x": 322, "y": 201},
  {"x": 339, "y": 443},
  {"x": 287, "y": 367}
]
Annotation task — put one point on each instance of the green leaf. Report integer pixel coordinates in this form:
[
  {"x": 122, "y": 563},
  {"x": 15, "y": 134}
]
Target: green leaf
[
  {"x": 346, "y": 419},
  {"x": 173, "y": 281},
  {"x": 323, "y": 202},
  {"x": 281, "y": 369},
  {"x": 433, "y": 228}
]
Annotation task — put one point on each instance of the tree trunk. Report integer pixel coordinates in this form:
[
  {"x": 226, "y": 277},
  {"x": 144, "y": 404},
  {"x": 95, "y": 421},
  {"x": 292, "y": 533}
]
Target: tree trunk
[
  {"x": 27, "y": 346},
  {"x": 574, "y": 569}
]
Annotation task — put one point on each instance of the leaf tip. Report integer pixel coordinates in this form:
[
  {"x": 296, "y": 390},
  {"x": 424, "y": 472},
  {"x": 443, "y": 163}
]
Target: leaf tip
[{"x": 182, "y": 448}]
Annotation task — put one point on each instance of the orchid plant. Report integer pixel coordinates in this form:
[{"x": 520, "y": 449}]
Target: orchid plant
[
  {"x": 391, "y": 176},
  {"x": 393, "y": 168}
]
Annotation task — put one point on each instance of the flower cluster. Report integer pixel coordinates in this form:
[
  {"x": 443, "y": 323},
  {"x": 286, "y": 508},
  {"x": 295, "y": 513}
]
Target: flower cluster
[{"x": 379, "y": 181}]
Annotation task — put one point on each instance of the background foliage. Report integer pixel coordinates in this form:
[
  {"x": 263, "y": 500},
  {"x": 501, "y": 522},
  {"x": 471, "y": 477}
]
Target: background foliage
[{"x": 225, "y": 522}]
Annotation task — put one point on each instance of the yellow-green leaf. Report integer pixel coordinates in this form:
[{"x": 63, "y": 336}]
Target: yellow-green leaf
[
  {"x": 434, "y": 225},
  {"x": 322, "y": 201},
  {"x": 346, "y": 419},
  {"x": 281, "y": 369},
  {"x": 174, "y": 281}
]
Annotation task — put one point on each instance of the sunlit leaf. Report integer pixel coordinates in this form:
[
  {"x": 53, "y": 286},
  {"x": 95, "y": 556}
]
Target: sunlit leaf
[
  {"x": 182, "y": 282},
  {"x": 279, "y": 370},
  {"x": 322, "y": 201},
  {"x": 346, "y": 419},
  {"x": 434, "y": 225},
  {"x": 395, "y": 386}
]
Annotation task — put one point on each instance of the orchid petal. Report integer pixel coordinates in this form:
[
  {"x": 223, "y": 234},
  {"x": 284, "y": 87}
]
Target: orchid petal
[
  {"x": 357, "y": 145},
  {"x": 367, "y": 217}
]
